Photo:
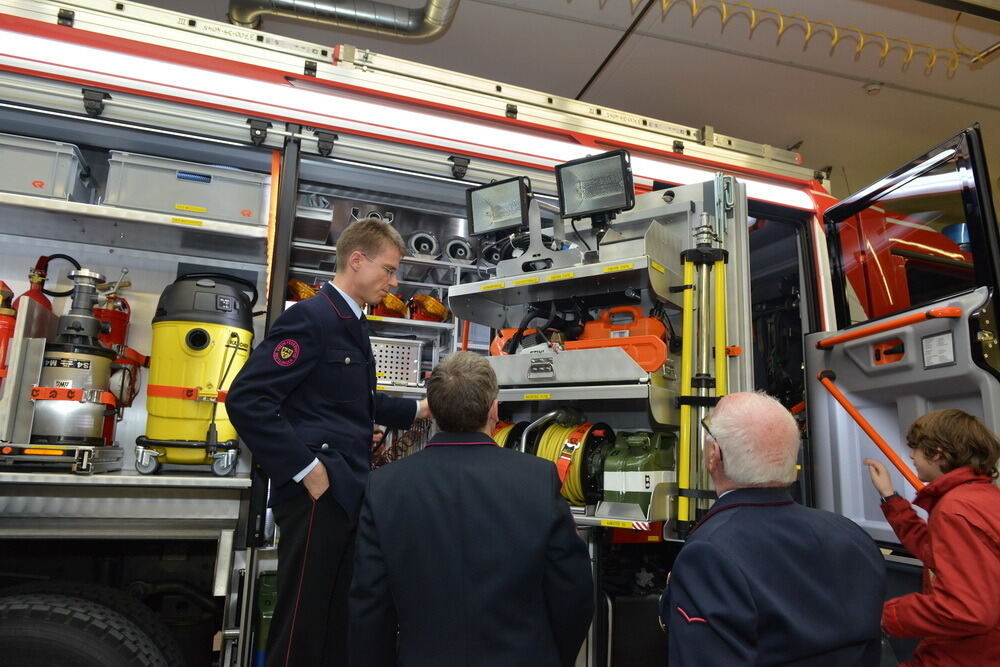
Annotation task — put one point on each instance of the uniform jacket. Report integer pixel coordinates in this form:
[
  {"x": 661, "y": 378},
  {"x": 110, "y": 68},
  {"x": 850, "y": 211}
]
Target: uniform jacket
[
  {"x": 958, "y": 612},
  {"x": 763, "y": 580},
  {"x": 308, "y": 391},
  {"x": 470, "y": 550}
]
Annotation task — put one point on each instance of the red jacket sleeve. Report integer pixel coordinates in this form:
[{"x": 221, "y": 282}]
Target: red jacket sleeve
[
  {"x": 909, "y": 527},
  {"x": 963, "y": 596}
]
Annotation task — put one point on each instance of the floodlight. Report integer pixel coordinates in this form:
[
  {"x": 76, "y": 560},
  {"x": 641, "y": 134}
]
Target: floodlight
[
  {"x": 598, "y": 186},
  {"x": 498, "y": 207}
]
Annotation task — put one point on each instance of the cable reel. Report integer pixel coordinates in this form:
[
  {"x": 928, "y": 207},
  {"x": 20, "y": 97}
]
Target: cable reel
[
  {"x": 491, "y": 254},
  {"x": 567, "y": 446},
  {"x": 458, "y": 250},
  {"x": 423, "y": 243},
  {"x": 508, "y": 435}
]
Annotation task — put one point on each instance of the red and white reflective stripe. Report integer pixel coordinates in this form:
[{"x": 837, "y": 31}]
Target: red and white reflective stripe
[{"x": 641, "y": 525}]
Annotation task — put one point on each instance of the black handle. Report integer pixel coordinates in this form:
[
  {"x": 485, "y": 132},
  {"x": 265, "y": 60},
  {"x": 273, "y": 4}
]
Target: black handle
[
  {"x": 248, "y": 286},
  {"x": 76, "y": 265}
]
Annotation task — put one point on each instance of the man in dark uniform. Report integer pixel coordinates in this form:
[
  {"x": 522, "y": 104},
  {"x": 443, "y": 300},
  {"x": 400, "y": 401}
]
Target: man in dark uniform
[
  {"x": 305, "y": 404},
  {"x": 467, "y": 550},
  {"x": 761, "y": 579}
]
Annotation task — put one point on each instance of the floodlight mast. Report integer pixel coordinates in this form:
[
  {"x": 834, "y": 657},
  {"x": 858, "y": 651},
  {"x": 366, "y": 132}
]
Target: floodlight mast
[{"x": 538, "y": 256}]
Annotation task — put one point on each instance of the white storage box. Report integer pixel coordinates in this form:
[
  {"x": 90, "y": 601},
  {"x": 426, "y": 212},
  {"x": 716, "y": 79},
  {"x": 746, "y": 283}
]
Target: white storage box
[
  {"x": 187, "y": 189},
  {"x": 43, "y": 168}
]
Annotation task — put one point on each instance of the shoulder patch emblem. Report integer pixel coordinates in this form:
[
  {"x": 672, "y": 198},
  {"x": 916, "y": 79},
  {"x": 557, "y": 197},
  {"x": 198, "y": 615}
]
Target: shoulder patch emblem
[{"x": 286, "y": 352}]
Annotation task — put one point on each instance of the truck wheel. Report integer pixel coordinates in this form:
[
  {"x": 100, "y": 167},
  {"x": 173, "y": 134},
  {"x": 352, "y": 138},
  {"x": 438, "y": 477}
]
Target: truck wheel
[
  {"x": 57, "y": 630},
  {"x": 120, "y": 601}
]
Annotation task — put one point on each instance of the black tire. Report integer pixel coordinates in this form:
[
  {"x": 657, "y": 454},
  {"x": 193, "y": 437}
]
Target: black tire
[
  {"x": 118, "y": 600},
  {"x": 61, "y": 631}
]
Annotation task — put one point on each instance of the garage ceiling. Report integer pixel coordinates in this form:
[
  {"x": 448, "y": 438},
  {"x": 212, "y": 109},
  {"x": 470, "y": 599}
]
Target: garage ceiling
[{"x": 855, "y": 111}]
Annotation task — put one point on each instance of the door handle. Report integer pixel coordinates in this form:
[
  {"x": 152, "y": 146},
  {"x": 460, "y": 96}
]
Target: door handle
[
  {"x": 889, "y": 325},
  {"x": 826, "y": 378}
]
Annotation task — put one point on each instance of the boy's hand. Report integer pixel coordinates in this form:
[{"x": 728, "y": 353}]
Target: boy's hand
[{"x": 880, "y": 477}]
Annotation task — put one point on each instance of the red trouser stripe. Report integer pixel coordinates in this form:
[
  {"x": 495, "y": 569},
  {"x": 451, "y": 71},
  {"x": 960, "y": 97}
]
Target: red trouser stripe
[{"x": 302, "y": 576}]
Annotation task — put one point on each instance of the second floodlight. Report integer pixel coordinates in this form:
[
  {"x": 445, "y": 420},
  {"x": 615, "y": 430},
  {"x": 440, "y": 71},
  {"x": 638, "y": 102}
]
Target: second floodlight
[{"x": 595, "y": 185}]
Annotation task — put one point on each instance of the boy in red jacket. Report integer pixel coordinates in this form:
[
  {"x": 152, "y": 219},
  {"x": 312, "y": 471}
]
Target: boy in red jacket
[{"x": 958, "y": 613}]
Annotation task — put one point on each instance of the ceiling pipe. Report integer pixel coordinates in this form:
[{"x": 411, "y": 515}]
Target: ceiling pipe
[{"x": 384, "y": 19}]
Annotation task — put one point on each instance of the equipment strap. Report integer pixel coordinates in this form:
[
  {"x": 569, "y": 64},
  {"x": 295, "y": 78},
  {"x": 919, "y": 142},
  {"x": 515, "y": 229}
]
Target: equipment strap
[
  {"x": 571, "y": 444},
  {"x": 697, "y": 493},
  {"x": 184, "y": 393},
  {"x": 76, "y": 395}
]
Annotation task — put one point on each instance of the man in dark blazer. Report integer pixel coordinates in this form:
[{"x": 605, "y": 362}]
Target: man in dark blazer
[
  {"x": 305, "y": 404},
  {"x": 467, "y": 549},
  {"x": 761, "y": 579}
]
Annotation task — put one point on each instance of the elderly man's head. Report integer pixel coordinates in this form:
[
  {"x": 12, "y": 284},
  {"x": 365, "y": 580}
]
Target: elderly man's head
[{"x": 754, "y": 441}]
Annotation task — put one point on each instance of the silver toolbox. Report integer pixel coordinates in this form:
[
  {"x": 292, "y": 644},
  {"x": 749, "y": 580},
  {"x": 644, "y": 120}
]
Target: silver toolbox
[
  {"x": 187, "y": 189},
  {"x": 43, "y": 168}
]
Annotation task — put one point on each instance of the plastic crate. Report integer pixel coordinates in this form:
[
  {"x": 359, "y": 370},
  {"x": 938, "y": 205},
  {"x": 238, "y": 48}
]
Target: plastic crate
[
  {"x": 187, "y": 189},
  {"x": 43, "y": 168},
  {"x": 397, "y": 361}
]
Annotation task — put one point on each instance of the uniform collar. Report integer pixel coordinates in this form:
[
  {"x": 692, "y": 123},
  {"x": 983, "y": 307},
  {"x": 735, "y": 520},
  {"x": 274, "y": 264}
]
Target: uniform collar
[
  {"x": 347, "y": 309},
  {"x": 928, "y": 496},
  {"x": 458, "y": 438},
  {"x": 769, "y": 496},
  {"x": 351, "y": 303}
]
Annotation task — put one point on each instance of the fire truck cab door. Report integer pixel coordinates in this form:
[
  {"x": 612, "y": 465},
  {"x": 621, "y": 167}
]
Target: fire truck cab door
[{"x": 915, "y": 274}]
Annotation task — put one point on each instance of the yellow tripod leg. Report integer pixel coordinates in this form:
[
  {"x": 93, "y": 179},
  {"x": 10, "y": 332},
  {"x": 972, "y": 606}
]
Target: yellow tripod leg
[
  {"x": 684, "y": 509},
  {"x": 721, "y": 360}
]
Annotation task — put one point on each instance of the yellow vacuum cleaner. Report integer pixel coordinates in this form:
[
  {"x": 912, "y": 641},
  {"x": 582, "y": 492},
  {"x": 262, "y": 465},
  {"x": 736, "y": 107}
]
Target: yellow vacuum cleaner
[{"x": 202, "y": 333}]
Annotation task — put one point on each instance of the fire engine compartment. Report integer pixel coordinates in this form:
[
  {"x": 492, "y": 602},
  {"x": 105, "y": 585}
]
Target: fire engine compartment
[{"x": 185, "y": 539}]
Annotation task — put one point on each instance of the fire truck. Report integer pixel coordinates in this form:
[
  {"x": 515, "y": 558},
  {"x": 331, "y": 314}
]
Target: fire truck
[{"x": 625, "y": 271}]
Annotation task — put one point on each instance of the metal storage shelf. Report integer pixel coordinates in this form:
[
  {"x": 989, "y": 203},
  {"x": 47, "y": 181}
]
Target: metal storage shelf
[
  {"x": 399, "y": 390},
  {"x": 415, "y": 261},
  {"x": 100, "y": 212},
  {"x": 319, "y": 273},
  {"x": 381, "y": 320},
  {"x": 574, "y": 393},
  {"x": 164, "y": 479},
  {"x": 492, "y": 302}
]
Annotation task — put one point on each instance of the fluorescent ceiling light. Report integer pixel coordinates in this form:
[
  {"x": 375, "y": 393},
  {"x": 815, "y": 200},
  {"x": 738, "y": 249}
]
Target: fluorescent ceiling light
[{"x": 316, "y": 104}]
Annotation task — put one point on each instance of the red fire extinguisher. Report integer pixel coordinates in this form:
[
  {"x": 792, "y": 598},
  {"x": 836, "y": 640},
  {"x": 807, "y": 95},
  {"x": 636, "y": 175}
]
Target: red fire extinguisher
[
  {"x": 7, "y": 314},
  {"x": 37, "y": 277},
  {"x": 115, "y": 313}
]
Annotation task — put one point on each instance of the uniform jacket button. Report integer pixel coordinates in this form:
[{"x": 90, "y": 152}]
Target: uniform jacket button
[
  {"x": 325, "y": 446},
  {"x": 347, "y": 360}
]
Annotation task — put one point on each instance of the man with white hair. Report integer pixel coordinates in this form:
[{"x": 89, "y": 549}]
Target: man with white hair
[{"x": 761, "y": 579}]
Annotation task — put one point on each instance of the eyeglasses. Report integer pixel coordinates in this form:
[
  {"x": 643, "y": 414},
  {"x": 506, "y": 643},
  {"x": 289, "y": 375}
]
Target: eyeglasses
[
  {"x": 389, "y": 270},
  {"x": 704, "y": 425}
]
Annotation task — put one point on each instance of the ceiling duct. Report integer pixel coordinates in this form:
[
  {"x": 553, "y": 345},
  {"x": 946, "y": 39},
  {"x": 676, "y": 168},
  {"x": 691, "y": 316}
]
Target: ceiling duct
[{"x": 384, "y": 19}]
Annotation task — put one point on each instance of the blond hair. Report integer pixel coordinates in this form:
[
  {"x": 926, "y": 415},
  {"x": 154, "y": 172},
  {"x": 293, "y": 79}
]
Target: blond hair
[{"x": 370, "y": 236}]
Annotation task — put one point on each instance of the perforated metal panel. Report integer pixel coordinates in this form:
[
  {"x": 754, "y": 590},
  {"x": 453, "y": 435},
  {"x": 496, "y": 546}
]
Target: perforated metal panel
[{"x": 397, "y": 361}]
